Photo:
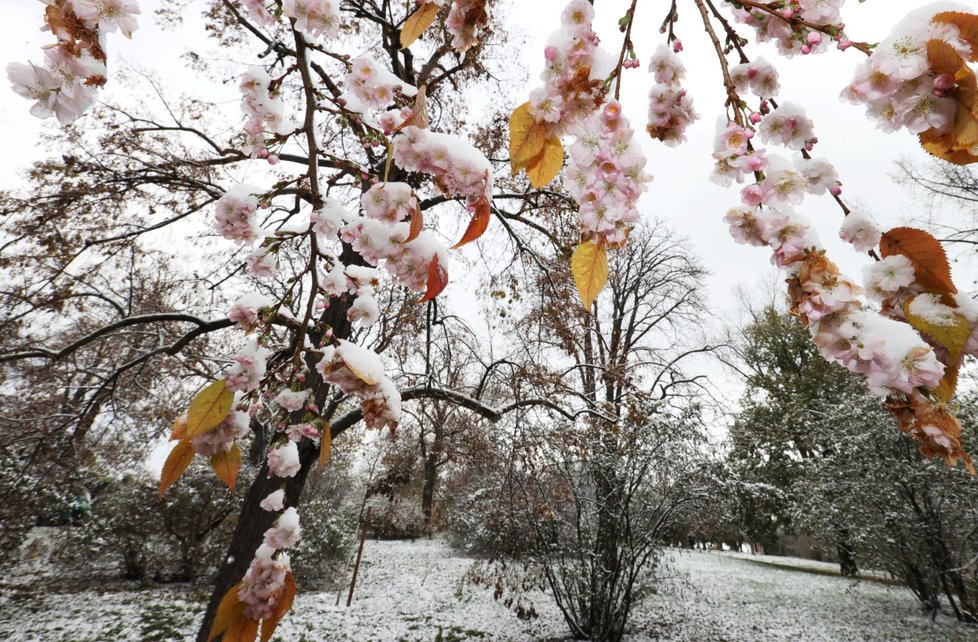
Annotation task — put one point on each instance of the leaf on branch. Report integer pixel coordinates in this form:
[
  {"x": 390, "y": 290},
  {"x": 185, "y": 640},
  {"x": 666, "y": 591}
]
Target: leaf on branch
[
  {"x": 949, "y": 383},
  {"x": 527, "y": 138},
  {"x": 179, "y": 429},
  {"x": 967, "y": 25},
  {"x": 417, "y": 222},
  {"x": 589, "y": 265},
  {"x": 952, "y": 336},
  {"x": 547, "y": 164},
  {"x": 284, "y": 605},
  {"x": 176, "y": 462},
  {"x": 417, "y": 23},
  {"x": 437, "y": 280},
  {"x": 932, "y": 270},
  {"x": 956, "y": 143},
  {"x": 209, "y": 408},
  {"x": 229, "y": 611},
  {"x": 479, "y": 223},
  {"x": 244, "y": 630},
  {"x": 226, "y": 465},
  {"x": 325, "y": 444},
  {"x": 419, "y": 113}
]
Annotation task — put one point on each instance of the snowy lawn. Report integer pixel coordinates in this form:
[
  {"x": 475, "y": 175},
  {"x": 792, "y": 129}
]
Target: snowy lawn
[{"x": 414, "y": 591}]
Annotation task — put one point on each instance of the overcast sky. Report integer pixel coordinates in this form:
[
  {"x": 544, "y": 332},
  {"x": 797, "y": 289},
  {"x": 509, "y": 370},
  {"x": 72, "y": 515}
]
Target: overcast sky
[{"x": 680, "y": 194}]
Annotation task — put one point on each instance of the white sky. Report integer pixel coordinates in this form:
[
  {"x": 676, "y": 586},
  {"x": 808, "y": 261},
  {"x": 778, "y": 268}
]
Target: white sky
[{"x": 681, "y": 193}]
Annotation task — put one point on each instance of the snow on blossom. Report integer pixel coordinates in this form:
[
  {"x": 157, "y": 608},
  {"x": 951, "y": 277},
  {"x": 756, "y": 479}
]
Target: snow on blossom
[
  {"x": 389, "y": 202},
  {"x": 314, "y": 18},
  {"x": 789, "y": 235},
  {"x": 929, "y": 307},
  {"x": 666, "y": 66},
  {"x": 236, "y": 215},
  {"x": 249, "y": 367},
  {"x": 220, "y": 438},
  {"x": 328, "y": 220},
  {"x": 860, "y": 230},
  {"x": 884, "y": 278},
  {"x": 292, "y": 400},
  {"x": 364, "y": 310},
  {"x": 264, "y": 112},
  {"x": 274, "y": 501},
  {"x": 296, "y": 432},
  {"x": 283, "y": 460},
  {"x": 820, "y": 175},
  {"x": 262, "y": 263},
  {"x": 457, "y": 167},
  {"x": 606, "y": 176},
  {"x": 358, "y": 370},
  {"x": 264, "y": 582},
  {"x": 286, "y": 532},
  {"x": 246, "y": 309},
  {"x": 371, "y": 86}
]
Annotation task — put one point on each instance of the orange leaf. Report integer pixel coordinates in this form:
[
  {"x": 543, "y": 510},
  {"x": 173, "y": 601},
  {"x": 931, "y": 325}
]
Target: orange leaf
[
  {"x": 526, "y": 138},
  {"x": 437, "y": 280},
  {"x": 176, "y": 462},
  {"x": 325, "y": 444},
  {"x": 417, "y": 222},
  {"x": 932, "y": 271},
  {"x": 244, "y": 630},
  {"x": 417, "y": 23},
  {"x": 284, "y": 605},
  {"x": 179, "y": 429},
  {"x": 955, "y": 144},
  {"x": 208, "y": 408},
  {"x": 945, "y": 389},
  {"x": 226, "y": 465},
  {"x": 479, "y": 223},
  {"x": 229, "y": 611},
  {"x": 967, "y": 25},
  {"x": 589, "y": 265},
  {"x": 547, "y": 164}
]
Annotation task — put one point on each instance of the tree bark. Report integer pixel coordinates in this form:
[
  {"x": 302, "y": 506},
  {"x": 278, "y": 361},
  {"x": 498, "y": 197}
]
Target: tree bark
[{"x": 430, "y": 478}]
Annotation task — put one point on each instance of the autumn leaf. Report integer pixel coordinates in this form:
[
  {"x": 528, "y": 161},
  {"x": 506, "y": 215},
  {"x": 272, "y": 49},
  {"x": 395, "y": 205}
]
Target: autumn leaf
[
  {"x": 932, "y": 271},
  {"x": 176, "y": 462},
  {"x": 325, "y": 444},
  {"x": 949, "y": 383},
  {"x": 967, "y": 25},
  {"x": 478, "y": 224},
  {"x": 244, "y": 630},
  {"x": 209, "y": 408},
  {"x": 437, "y": 280},
  {"x": 589, "y": 265},
  {"x": 269, "y": 625},
  {"x": 952, "y": 334},
  {"x": 954, "y": 145},
  {"x": 419, "y": 113},
  {"x": 417, "y": 23},
  {"x": 547, "y": 164},
  {"x": 526, "y": 138},
  {"x": 226, "y": 465},
  {"x": 229, "y": 611},
  {"x": 179, "y": 429},
  {"x": 417, "y": 222}
]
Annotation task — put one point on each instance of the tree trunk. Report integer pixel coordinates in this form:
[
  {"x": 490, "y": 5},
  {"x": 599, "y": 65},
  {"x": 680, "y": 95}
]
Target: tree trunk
[
  {"x": 847, "y": 555},
  {"x": 428, "y": 491}
]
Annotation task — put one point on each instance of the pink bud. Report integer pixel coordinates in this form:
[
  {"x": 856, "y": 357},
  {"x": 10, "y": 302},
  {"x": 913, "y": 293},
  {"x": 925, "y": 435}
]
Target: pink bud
[
  {"x": 944, "y": 81},
  {"x": 263, "y": 153},
  {"x": 272, "y": 159},
  {"x": 752, "y": 195},
  {"x": 836, "y": 189},
  {"x": 755, "y": 118},
  {"x": 787, "y": 13},
  {"x": 814, "y": 38},
  {"x": 677, "y": 46},
  {"x": 550, "y": 53},
  {"x": 809, "y": 147},
  {"x": 844, "y": 44},
  {"x": 806, "y": 49}
]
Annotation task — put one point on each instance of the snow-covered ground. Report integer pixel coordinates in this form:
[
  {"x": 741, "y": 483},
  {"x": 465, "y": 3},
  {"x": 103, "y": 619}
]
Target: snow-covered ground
[{"x": 414, "y": 591}]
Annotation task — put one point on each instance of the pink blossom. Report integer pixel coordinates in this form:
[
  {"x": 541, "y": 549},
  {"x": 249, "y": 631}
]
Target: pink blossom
[{"x": 283, "y": 461}]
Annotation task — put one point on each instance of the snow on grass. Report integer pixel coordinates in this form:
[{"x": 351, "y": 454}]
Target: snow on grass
[{"x": 414, "y": 591}]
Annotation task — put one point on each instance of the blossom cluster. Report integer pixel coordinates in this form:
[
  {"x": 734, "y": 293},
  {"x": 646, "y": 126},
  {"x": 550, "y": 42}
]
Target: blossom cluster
[
  {"x": 465, "y": 19},
  {"x": 670, "y": 108},
  {"x": 263, "y": 111},
  {"x": 896, "y": 84},
  {"x": 314, "y": 18},
  {"x": 606, "y": 176},
  {"x": 758, "y": 76},
  {"x": 74, "y": 68},
  {"x": 789, "y": 25},
  {"x": 357, "y": 370},
  {"x": 263, "y": 584},
  {"x": 221, "y": 438},
  {"x": 575, "y": 70},
  {"x": 372, "y": 85},
  {"x": 236, "y": 214}
]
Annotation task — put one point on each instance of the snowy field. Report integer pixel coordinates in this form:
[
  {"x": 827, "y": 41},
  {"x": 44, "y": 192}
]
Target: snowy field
[{"x": 414, "y": 591}]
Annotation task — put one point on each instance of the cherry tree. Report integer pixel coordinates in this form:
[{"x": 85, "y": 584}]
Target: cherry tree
[{"x": 349, "y": 155}]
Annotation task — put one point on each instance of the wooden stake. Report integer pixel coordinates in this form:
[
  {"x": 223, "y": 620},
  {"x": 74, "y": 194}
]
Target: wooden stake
[{"x": 356, "y": 565}]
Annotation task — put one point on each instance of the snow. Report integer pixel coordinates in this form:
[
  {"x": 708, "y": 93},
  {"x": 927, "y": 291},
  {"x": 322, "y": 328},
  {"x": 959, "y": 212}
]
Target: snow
[{"x": 414, "y": 591}]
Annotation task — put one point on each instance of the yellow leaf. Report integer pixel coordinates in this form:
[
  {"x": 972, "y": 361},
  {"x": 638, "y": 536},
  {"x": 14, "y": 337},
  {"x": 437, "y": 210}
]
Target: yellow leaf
[
  {"x": 526, "y": 138},
  {"x": 945, "y": 389},
  {"x": 226, "y": 465},
  {"x": 229, "y": 611},
  {"x": 284, "y": 605},
  {"x": 209, "y": 408},
  {"x": 952, "y": 335},
  {"x": 589, "y": 265},
  {"x": 416, "y": 24},
  {"x": 547, "y": 164},
  {"x": 176, "y": 462},
  {"x": 325, "y": 444}
]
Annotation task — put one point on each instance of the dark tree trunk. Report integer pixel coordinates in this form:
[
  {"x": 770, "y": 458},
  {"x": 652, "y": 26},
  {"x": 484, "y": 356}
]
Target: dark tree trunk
[
  {"x": 428, "y": 491},
  {"x": 847, "y": 555}
]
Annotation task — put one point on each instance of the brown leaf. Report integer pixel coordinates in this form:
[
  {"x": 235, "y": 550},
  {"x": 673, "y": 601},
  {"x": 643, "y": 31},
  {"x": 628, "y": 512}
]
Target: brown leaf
[
  {"x": 967, "y": 25},
  {"x": 437, "y": 280},
  {"x": 325, "y": 444},
  {"x": 244, "y": 630},
  {"x": 284, "y": 605},
  {"x": 526, "y": 138},
  {"x": 417, "y": 222},
  {"x": 419, "y": 113},
  {"x": 226, "y": 465},
  {"x": 176, "y": 462},
  {"x": 932, "y": 271},
  {"x": 945, "y": 389},
  {"x": 417, "y": 23},
  {"x": 548, "y": 163},
  {"x": 229, "y": 611},
  {"x": 479, "y": 222}
]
